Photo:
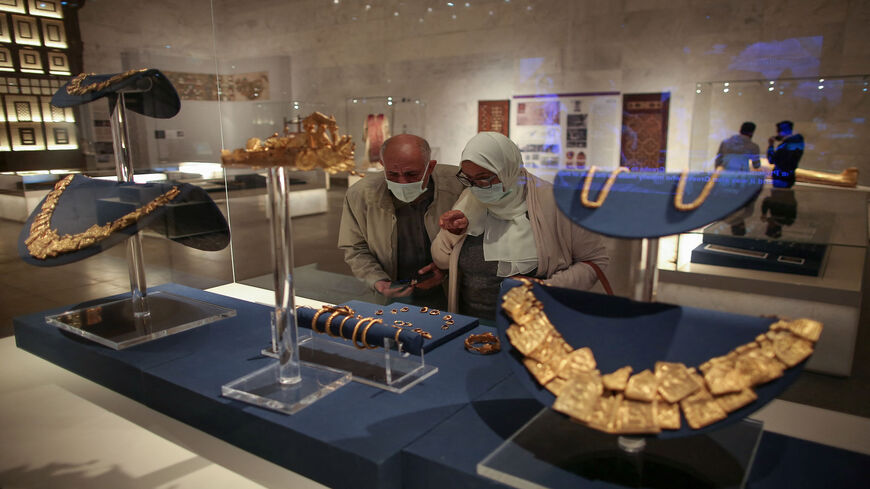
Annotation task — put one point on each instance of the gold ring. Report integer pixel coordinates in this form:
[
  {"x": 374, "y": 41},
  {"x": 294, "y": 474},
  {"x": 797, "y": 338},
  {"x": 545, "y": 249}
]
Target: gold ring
[
  {"x": 485, "y": 344},
  {"x": 394, "y": 311},
  {"x": 448, "y": 317},
  {"x": 404, "y": 309},
  {"x": 379, "y": 312},
  {"x": 424, "y": 309},
  {"x": 434, "y": 312},
  {"x": 399, "y": 322},
  {"x": 446, "y": 326}
]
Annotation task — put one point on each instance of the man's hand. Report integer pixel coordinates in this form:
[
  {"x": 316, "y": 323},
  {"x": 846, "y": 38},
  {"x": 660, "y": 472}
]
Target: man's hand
[
  {"x": 385, "y": 289},
  {"x": 771, "y": 141},
  {"x": 435, "y": 280},
  {"x": 454, "y": 222}
]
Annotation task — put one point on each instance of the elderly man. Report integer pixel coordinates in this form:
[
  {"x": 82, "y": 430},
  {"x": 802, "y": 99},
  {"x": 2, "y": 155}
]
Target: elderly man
[{"x": 390, "y": 219}]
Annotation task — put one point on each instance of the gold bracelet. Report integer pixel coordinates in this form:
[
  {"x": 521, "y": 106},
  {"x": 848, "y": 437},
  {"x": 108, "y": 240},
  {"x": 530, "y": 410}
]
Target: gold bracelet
[
  {"x": 314, "y": 320},
  {"x": 341, "y": 327},
  {"x": 356, "y": 328},
  {"x": 602, "y": 195},
  {"x": 329, "y": 322},
  {"x": 364, "y": 333},
  {"x": 488, "y": 343},
  {"x": 705, "y": 192}
]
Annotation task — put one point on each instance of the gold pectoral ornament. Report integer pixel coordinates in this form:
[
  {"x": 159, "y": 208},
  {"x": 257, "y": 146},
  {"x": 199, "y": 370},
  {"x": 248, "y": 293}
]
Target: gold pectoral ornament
[
  {"x": 651, "y": 400},
  {"x": 44, "y": 241}
]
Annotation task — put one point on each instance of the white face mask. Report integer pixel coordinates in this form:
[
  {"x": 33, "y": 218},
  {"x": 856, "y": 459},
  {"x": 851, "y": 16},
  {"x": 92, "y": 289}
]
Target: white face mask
[
  {"x": 408, "y": 192},
  {"x": 490, "y": 195}
]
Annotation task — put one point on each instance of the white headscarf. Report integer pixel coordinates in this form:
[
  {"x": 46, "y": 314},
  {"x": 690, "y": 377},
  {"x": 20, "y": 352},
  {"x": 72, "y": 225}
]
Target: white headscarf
[{"x": 507, "y": 232}]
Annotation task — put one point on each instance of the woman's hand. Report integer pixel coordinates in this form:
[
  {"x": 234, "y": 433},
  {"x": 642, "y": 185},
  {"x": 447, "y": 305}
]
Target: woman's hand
[{"x": 453, "y": 222}]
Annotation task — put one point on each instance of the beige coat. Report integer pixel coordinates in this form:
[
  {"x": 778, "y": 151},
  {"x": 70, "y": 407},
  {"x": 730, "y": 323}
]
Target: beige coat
[
  {"x": 368, "y": 233},
  {"x": 562, "y": 246}
]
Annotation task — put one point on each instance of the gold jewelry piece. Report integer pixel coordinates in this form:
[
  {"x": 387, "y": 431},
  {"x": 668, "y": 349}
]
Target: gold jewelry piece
[
  {"x": 356, "y": 328},
  {"x": 75, "y": 85},
  {"x": 404, "y": 309},
  {"x": 423, "y": 333},
  {"x": 408, "y": 324},
  {"x": 449, "y": 321},
  {"x": 448, "y": 317},
  {"x": 359, "y": 316},
  {"x": 329, "y": 322},
  {"x": 424, "y": 309},
  {"x": 705, "y": 192},
  {"x": 602, "y": 195},
  {"x": 485, "y": 344},
  {"x": 445, "y": 326},
  {"x": 365, "y": 332},
  {"x": 396, "y": 337},
  {"x": 648, "y": 402},
  {"x": 434, "y": 312},
  {"x": 341, "y": 327},
  {"x": 394, "y": 311},
  {"x": 314, "y": 320},
  {"x": 399, "y": 322},
  {"x": 44, "y": 241},
  {"x": 379, "y": 312}
]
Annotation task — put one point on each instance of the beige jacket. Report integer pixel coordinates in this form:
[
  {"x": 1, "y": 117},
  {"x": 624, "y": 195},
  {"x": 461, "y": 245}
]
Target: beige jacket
[
  {"x": 562, "y": 246},
  {"x": 367, "y": 233}
]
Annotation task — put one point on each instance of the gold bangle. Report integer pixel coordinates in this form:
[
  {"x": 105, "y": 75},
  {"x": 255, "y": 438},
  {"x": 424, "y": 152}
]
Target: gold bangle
[
  {"x": 341, "y": 326},
  {"x": 364, "y": 333},
  {"x": 356, "y": 328},
  {"x": 314, "y": 320},
  {"x": 602, "y": 194},
  {"x": 705, "y": 192},
  {"x": 485, "y": 344},
  {"x": 329, "y": 322}
]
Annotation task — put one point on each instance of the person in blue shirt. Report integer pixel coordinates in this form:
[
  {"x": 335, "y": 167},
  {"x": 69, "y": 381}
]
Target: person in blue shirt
[{"x": 784, "y": 152}]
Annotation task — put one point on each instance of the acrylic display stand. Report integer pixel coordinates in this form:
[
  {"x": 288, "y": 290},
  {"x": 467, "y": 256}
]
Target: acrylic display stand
[
  {"x": 386, "y": 368},
  {"x": 141, "y": 318},
  {"x": 288, "y": 385},
  {"x": 553, "y": 451}
]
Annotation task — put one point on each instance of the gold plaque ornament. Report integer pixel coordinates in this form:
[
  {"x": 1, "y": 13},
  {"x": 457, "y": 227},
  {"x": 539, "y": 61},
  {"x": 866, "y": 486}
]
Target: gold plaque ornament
[
  {"x": 648, "y": 402},
  {"x": 318, "y": 146}
]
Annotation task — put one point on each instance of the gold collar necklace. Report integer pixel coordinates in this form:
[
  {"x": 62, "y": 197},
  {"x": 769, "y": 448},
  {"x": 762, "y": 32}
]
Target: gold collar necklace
[
  {"x": 44, "y": 241},
  {"x": 648, "y": 402},
  {"x": 75, "y": 85}
]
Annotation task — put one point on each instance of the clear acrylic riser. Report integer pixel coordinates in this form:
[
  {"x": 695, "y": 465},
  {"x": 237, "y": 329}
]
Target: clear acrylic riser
[
  {"x": 113, "y": 324},
  {"x": 264, "y": 388},
  {"x": 385, "y": 368},
  {"x": 551, "y": 451}
]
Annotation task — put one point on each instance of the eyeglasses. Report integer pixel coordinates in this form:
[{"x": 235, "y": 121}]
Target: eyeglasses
[{"x": 468, "y": 182}]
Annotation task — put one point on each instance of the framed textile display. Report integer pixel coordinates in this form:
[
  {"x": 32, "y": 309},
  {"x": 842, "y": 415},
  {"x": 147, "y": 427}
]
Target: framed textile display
[
  {"x": 645, "y": 130},
  {"x": 494, "y": 115}
]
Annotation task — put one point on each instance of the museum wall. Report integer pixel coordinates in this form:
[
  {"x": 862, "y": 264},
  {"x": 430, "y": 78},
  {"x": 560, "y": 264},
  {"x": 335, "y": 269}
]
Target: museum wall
[{"x": 452, "y": 57}]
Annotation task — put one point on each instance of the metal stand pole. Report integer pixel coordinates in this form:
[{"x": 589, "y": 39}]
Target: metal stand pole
[
  {"x": 124, "y": 170},
  {"x": 286, "y": 333}
]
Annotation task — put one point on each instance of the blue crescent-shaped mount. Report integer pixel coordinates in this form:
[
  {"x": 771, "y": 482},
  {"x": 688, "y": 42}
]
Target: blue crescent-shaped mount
[
  {"x": 624, "y": 332},
  {"x": 641, "y": 204}
]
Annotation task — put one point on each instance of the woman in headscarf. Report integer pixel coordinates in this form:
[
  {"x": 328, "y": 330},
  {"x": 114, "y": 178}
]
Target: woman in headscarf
[{"x": 506, "y": 224}]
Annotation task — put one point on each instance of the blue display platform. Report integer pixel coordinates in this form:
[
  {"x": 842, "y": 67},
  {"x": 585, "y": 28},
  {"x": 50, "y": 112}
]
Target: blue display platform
[
  {"x": 433, "y": 436},
  {"x": 351, "y": 438},
  {"x": 437, "y": 461}
]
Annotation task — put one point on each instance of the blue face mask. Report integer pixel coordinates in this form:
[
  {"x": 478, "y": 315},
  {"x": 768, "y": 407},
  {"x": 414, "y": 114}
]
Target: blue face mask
[
  {"x": 408, "y": 192},
  {"x": 490, "y": 195}
]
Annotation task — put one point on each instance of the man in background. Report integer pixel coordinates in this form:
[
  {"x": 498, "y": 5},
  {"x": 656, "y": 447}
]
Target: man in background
[
  {"x": 389, "y": 221},
  {"x": 738, "y": 152}
]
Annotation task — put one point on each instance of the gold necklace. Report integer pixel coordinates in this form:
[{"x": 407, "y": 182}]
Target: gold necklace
[
  {"x": 75, "y": 85},
  {"x": 649, "y": 402},
  {"x": 44, "y": 241},
  {"x": 705, "y": 192},
  {"x": 602, "y": 195}
]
